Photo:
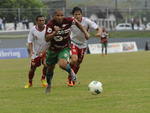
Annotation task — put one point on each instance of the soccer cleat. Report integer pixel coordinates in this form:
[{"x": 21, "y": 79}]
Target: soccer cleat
[
  {"x": 28, "y": 85},
  {"x": 48, "y": 89},
  {"x": 70, "y": 82},
  {"x": 44, "y": 83},
  {"x": 73, "y": 76}
]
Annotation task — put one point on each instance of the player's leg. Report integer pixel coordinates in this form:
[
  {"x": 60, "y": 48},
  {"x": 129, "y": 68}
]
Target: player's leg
[
  {"x": 74, "y": 54},
  {"x": 76, "y": 66},
  {"x": 51, "y": 60},
  {"x": 81, "y": 53},
  {"x": 34, "y": 64},
  {"x": 106, "y": 48},
  {"x": 49, "y": 76},
  {"x": 73, "y": 62},
  {"x": 30, "y": 76},
  {"x": 43, "y": 77},
  {"x": 63, "y": 57},
  {"x": 102, "y": 48},
  {"x": 63, "y": 64},
  {"x": 44, "y": 69}
]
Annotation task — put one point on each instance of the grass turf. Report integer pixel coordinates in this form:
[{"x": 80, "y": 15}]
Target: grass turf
[
  {"x": 127, "y": 34},
  {"x": 113, "y": 34},
  {"x": 125, "y": 78},
  {"x": 130, "y": 34}
]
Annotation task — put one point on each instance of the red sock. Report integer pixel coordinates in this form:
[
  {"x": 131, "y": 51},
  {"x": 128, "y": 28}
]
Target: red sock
[{"x": 75, "y": 68}]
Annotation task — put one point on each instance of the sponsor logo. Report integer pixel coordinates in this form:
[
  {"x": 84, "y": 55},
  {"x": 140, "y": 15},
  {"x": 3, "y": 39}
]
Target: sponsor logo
[
  {"x": 65, "y": 55},
  {"x": 64, "y": 25},
  {"x": 49, "y": 30},
  {"x": 9, "y": 53}
]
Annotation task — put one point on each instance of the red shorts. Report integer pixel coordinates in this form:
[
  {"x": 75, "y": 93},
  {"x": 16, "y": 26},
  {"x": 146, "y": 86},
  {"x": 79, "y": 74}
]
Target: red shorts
[
  {"x": 39, "y": 60},
  {"x": 78, "y": 51}
]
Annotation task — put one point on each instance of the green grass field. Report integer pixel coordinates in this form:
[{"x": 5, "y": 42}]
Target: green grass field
[
  {"x": 127, "y": 34},
  {"x": 130, "y": 34},
  {"x": 125, "y": 78}
]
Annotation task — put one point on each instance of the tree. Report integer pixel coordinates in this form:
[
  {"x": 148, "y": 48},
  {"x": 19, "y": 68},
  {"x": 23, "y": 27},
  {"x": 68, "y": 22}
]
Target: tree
[{"x": 20, "y": 9}]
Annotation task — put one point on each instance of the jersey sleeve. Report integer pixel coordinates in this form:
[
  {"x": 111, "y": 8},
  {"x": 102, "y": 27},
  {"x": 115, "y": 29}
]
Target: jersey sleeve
[
  {"x": 92, "y": 25},
  {"x": 70, "y": 20},
  {"x": 49, "y": 28},
  {"x": 73, "y": 21},
  {"x": 30, "y": 36}
]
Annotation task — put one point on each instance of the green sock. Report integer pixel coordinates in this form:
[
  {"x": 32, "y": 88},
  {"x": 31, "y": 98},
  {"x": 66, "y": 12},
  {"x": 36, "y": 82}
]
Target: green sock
[{"x": 68, "y": 68}]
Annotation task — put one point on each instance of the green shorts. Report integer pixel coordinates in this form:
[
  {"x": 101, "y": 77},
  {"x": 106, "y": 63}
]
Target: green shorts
[
  {"x": 104, "y": 45},
  {"x": 53, "y": 57}
]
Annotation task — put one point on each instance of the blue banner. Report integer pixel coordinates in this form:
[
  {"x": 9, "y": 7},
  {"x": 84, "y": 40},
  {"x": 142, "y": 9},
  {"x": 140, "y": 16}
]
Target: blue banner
[{"x": 11, "y": 53}]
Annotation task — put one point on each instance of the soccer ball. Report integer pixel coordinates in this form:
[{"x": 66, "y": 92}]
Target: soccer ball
[{"x": 95, "y": 87}]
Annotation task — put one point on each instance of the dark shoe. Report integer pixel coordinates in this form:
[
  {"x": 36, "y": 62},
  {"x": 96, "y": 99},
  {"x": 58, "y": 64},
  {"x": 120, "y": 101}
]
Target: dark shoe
[{"x": 48, "y": 89}]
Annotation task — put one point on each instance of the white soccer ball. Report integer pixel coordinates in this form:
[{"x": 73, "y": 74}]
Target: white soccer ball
[{"x": 95, "y": 87}]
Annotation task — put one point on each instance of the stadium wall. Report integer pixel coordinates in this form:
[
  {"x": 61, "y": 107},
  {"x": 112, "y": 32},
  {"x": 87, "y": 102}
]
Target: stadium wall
[
  {"x": 19, "y": 43},
  {"x": 9, "y": 47}
]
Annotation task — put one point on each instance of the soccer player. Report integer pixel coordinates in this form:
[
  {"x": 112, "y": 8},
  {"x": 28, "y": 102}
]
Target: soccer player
[
  {"x": 104, "y": 40},
  {"x": 78, "y": 41},
  {"x": 37, "y": 47},
  {"x": 58, "y": 34}
]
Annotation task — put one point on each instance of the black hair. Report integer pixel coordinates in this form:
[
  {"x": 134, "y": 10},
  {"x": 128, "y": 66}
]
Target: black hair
[
  {"x": 76, "y": 9},
  {"x": 37, "y": 17}
]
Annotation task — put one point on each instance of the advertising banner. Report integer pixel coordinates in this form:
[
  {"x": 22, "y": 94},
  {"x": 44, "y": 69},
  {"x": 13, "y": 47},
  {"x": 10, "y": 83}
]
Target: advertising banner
[
  {"x": 11, "y": 53},
  {"x": 114, "y": 47},
  {"x": 129, "y": 47}
]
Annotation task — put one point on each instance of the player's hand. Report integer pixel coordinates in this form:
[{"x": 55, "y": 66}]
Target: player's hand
[
  {"x": 42, "y": 53},
  {"x": 98, "y": 34},
  {"x": 32, "y": 62},
  {"x": 87, "y": 35},
  {"x": 31, "y": 53},
  {"x": 57, "y": 28}
]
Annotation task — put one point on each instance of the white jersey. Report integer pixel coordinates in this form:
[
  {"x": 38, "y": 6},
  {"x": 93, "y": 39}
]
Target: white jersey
[
  {"x": 37, "y": 38},
  {"x": 77, "y": 37}
]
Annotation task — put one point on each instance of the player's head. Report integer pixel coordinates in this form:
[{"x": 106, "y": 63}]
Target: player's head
[
  {"x": 103, "y": 29},
  {"x": 40, "y": 20},
  {"x": 77, "y": 13},
  {"x": 58, "y": 15}
]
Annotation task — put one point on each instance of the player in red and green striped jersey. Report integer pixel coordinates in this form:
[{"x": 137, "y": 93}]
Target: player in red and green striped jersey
[
  {"x": 58, "y": 34},
  {"x": 104, "y": 40}
]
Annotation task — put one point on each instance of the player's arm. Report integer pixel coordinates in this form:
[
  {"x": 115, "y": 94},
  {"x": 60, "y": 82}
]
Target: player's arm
[
  {"x": 87, "y": 35},
  {"x": 98, "y": 32},
  {"x": 48, "y": 37},
  {"x": 30, "y": 49},
  {"x": 30, "y": 42},
  {"x": 51, "y": 33},
  {"x": 107, "y": 34},
  {"x": 93, "y": 25}
]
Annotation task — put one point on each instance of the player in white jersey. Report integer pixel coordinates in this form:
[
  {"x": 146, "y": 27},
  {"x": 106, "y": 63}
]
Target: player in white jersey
[
  {"x": 37, "y": 47},
  {"x": 78, "y": 40}
]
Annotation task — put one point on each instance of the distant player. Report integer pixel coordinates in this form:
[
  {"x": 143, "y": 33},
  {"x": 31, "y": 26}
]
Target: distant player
[
  {"x": 104, "y": 40},
  {"x": 78, "y": 40},
  {"x": 37, "y": 48},
  {"x": 58, "y": 34}
]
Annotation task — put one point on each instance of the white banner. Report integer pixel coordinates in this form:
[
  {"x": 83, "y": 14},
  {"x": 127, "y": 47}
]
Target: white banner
[
  {"x": 113, "y": 47},
  {"x": 129, "y": 47}
]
